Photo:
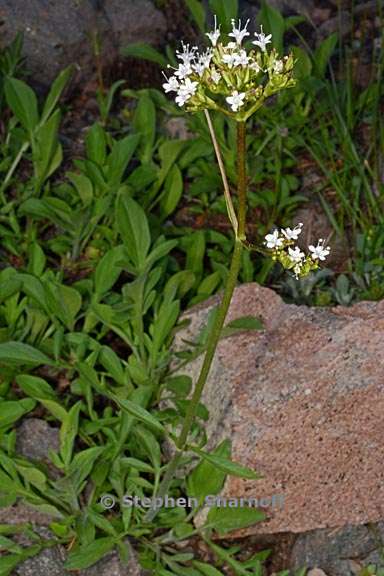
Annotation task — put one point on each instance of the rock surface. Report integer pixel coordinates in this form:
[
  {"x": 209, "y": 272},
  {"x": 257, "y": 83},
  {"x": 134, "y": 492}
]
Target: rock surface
[
  {"x": 35, "y": 438},
  {"x": 302, "y": 402},
  {"x": 51, "y": 562},
  {"x": 58, "y": 33},
  {"x": 340, "y": 552}
]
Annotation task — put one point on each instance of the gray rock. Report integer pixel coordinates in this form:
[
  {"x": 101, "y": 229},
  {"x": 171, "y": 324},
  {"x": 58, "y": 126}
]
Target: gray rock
[
  {"x": 339, "y": 552},
  {"x": 59, "y": 32},
  {"x": 110, "y": 565},
  {"x": 51, "y": 562},
  {"x": 22, "y": 513},
  {"x": 35, "y": 438}
]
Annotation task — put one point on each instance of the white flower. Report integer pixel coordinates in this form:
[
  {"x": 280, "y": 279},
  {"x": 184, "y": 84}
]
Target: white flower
[
  {"x": 184, "y": 70},
  {"x": 185, "y": 91},
  {"x": 297, "y": 269},
  {"x": 239, "y": 33},
  {"x": 292, "y": 234},
  {"x": 215, "y": 35},
  {"x": 230, "y": 59},
  {"x": 241, "y": 59},
  {"x": 203, "y": 62},
  {"x": 254, "y": 66},
  {"x": 262, "y": 39},
  {"x": 278, "y": 66},
  {"x": 215, "y": 76},
  {"x": 236, "y": 100},
  {"x": 319, "y": 252},
  {"x": 295, "y": 254},
  {"x": 274, "y": 240},
  {"x": 187, "y": 55},
  {"x": 172, "y": 84}
]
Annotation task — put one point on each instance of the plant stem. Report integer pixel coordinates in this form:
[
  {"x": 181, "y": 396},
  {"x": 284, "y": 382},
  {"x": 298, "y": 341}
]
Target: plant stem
[
  {"x": 214, "y": 336},
  {"x": 227, "y": 192}
]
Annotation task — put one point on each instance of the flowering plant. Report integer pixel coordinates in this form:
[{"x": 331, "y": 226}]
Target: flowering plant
[
  {"x": 280, "y": 244},
  {"x": 229, "y": 79}
]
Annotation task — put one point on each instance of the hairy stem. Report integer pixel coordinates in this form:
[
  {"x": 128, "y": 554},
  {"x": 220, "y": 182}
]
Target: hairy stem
[{"x": 214, "y": 336}]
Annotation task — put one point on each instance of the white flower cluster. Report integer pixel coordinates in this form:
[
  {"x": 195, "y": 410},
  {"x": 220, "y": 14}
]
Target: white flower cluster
[
  {"x": 280, "y": 242},
  {"x": 226, "y": 76}
]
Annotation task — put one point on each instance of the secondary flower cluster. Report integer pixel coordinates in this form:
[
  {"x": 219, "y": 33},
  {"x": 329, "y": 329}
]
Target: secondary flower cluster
[
  {"x": 227, "y": 77},
  {"x": 292, "y": 258}
]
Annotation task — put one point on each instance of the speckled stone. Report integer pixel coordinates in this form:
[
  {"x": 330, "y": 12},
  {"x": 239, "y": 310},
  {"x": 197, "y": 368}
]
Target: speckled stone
[
  {"x": 341, "y": 551},
  {"x": 316, "y": 572},
  {"x": 35, "y": 438},
  {"x": 303, "y": 402}
]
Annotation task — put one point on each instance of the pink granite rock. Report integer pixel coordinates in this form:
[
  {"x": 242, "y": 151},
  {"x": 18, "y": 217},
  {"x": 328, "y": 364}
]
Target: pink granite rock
[{"x": 303, "y": 402}]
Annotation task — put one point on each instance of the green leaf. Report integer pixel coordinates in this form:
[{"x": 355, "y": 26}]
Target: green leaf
[
  {"x": 169, "y": 151},
  {"x": 64, "y": 301},
  {"x": 197, "y": 12},
  {"x": 68, "y": 433},
  {"x": 209, "y": 283},
  {"x": 55, "y": 409},
  {"x": 36, "y": 259},
  {"x": 112, "y": 363},
  {"x": 207, "y": 569},
  {"x": 145, "y": 52},
  {"x": 32, "y": 476},
  {"x": 180, "y": 385},
  {"x": 241, "y": 324},
  {"x": 140, "y": 413},
  {"x": 207, "y": 478},
  {"x": 226, "y": 519},
  {"x": 83, "y": 463},
  {"x": 9, "y": 287},
  {"x": 96, "y": 144},
  {"x": 303, "y": 65},
  {"x": 225, "y": 11},
  {"x": 12, "y": 353},
  {"x": 273, "y": 23},
  {"x": 227, "y": 466},
  {"x": 13, "y": 410},
  {"x": 134, "y": 230},
  {"x": 163, "y": 323},
  {"x": 83, "y": 186},
  {"x": 23, "y": 102},
  {"x": 144, "y": 123},
  {"x": 89, "y": 554},
  {"x": 137, "y": 464},
  {"x": 36, "y": 387},
  {"x": 118, "y": 160},
  {"x": 45, "y": 147},
  {"x": 173, "y": 190},
  {"x": 149, "y": 443},
  {"x": 107, "y": 270},
  {"x": 55, "y": 92},
  {"x": 323, "y": 54},
  {"x": 160, "y": 250}
]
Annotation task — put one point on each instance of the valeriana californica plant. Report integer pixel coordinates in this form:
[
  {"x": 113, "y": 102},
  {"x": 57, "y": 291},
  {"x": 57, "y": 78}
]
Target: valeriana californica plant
[{"x": 230, "y": 78}]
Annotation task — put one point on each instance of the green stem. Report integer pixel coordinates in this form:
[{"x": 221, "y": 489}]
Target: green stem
[
  {"x": 215, "y": 334},
  {"x": 13, "y": 167}
]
